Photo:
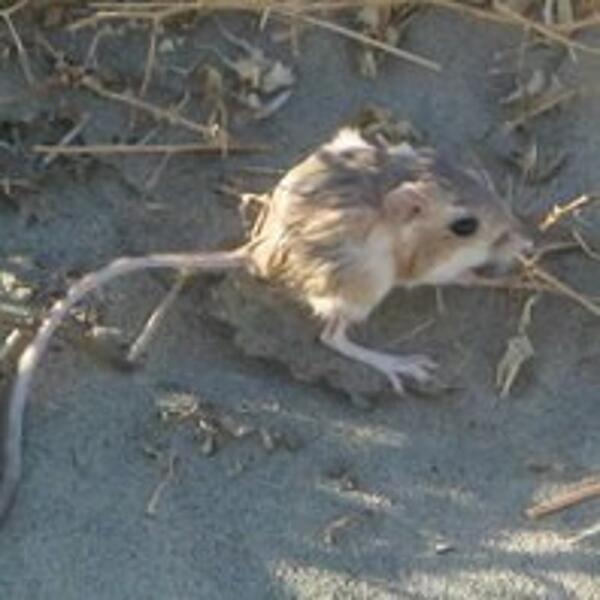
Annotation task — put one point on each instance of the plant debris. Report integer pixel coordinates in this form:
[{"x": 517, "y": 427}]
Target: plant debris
[
  {"x": 343, "y": 483},
  {"x": 559, "y": 211},
  {"x": 13, "y": 289},
  {"x": 263, "y": 85},
  {"x": 585, "y": 246},
  {"x": 379, "y": 124},
  {"x": 535, "y": 93},
  {"x": 179, "y": 407},
  {"x": 170, "y": 469},
  {"x": 333, "y": 530},
  {"x": 214, "y": 426},
  {"x": 362, "y": 38},
  {"x": 385, "y": 23},
  {"x": 587, "y": 489},
  {"x": 519, "y": 350}
]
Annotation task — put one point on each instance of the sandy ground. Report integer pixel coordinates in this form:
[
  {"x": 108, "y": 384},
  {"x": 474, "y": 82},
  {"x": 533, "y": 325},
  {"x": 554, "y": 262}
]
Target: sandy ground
[{"x": 415, "y": 498}]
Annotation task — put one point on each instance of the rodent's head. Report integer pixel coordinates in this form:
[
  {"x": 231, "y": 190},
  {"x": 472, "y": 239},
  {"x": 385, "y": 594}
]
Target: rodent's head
[{"x": 448, "y": 223}]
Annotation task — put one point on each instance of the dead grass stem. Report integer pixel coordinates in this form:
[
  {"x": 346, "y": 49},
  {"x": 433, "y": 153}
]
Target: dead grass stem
[
  {"x": 359, "y": 37},
  {"x": 585, "y": 247},
  {"x": 104, "y": 149},
  {"x": 156, "y": 12},
  {"x": 161, "y": 114},
  {"x": 169, "y": 476},
  {"x": 560, "y": 287},
  {"x": 6, "y": 15}
]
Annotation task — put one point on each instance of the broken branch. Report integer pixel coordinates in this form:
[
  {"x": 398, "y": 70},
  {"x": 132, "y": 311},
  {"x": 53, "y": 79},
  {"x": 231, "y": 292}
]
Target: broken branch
[{"x": 585, "y": 490}]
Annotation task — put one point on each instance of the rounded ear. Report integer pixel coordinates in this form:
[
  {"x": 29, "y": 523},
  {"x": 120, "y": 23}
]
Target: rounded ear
[{"x": 406, "y": 202}]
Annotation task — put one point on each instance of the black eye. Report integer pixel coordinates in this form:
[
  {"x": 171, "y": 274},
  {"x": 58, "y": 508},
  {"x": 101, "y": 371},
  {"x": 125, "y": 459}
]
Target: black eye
[{"x": 465, "y": 226}]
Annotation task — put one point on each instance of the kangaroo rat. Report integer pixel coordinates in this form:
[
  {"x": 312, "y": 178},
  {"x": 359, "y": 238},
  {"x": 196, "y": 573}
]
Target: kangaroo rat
[{"x": 340, "y": 230}]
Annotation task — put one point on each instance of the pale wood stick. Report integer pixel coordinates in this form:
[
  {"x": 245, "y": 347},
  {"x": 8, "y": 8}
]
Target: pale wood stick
[
  {"x": 146, "y": 149},
  {"x": 585, "y": 490}
]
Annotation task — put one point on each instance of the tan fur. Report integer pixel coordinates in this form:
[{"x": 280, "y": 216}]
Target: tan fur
[{"x": 340, "y": 230}]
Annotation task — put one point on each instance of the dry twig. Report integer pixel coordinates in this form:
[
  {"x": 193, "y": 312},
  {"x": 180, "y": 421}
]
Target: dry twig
[
  {"x": 162, "y": 484},
  {"x": 359, "y": 37},
  {"x": 534, "y": 278},
  {"x": 505, "y": 15},
  {"x": 587, "y": 489},
  {"x": 161, "y": 114},
  {"x": 502, "y": 14},
  {"x": 583, "y": 244},
  {"x": 6, "y": 14},
  {"x": 104, "y": 149},
  {"x": 560, "y": 211},
  {"x": 553, "y": 248},
  {"x": 543, "y": 30},
  {"x": 9, "y": 184},
  {"x": 548, "y": 103},
  {"x": 569, "y": 28},
  {"x": 332, "y": 530},
  {"x": 560, "y": 287},
  {"x": 66, "y": 139},
  {"x": 75, "y": 74}
]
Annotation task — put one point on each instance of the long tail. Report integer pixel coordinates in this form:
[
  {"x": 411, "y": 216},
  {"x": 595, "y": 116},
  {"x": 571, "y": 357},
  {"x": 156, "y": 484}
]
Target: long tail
[{"x": 13, "y": 435}]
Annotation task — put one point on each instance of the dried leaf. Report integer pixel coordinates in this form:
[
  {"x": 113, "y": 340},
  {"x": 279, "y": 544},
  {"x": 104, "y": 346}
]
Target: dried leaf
[
  {"x": 249, "y": 71},
  {"x": 12, "y": 288},
  {"x": 376, "y": 123},
  {"x": 332, "y": 531},
  {"x": 369, "y": 17},
  {"x": 177, "y": 406},
  {"x": 519, "y": 350},
  {"x": 367, "y": 64},
  {"x": 211, "y": 82},
  {"x": 534, "y": 86},
  {"x": 278, "y": 76},
  {"x": 250, "y": 100},
  {"x": 392, "y": 35},
  {"x": 234, "y": 427},
  {"x": 377, "y": 22},
  {"x": 267, "y": 439},
  {"x": 166, "y": 46},
  {"x": 209, "y": 445},
  {"x": 273, "y": 105},
  {"x": 7, "y": 282},
  {"x": 533, "y": 99},
  {"x": 264, "y": 84}
]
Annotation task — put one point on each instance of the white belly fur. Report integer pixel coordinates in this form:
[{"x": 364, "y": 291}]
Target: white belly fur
[{"x": 375, "y": 260}]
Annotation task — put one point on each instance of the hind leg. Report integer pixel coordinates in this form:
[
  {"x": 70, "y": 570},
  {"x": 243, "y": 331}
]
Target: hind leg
[{"x": 394, "y": 367}]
